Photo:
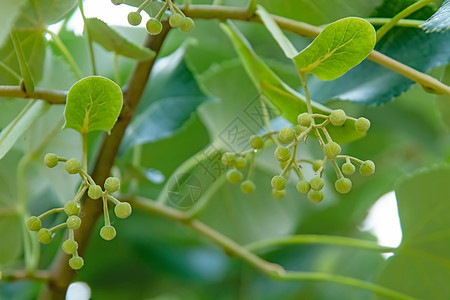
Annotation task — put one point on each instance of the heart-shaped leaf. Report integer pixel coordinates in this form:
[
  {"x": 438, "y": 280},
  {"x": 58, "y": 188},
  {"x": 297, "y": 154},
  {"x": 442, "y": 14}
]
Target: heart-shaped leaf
[
  {"x": 421, "y": 266},
  {"x": 338, "y": 48},
  {"x": 93, "y": 103}
]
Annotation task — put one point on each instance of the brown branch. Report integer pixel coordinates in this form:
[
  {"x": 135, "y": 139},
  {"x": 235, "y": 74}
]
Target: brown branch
[
  {"x": 51, "y": 96},
  {"x": 61, "y": 275},
  {"x": 222, "y": 12}
]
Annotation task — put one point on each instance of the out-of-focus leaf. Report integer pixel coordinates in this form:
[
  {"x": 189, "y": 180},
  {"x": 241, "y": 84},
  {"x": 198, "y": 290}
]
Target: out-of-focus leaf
[
  {"x": 33, "y": 46},
  {"x": 440, "y": 21},
  {"x": 10, "y": 231},
  {"x": 421, "y": 265},
  {"x": 20, "y": 124},
  {"x": 9, "y": 11},
  {"x": 338, "y": 48},
  {"x": 287, "y": 100},
  {"x": 174, "y": 96},
  {"x": 93, "y": 103},
  {"x": 372, "y": 84},
  {"x": 443, "y": 101},
  {"x": 112, "y": 41},
  {"x": 35, "y": 15}
]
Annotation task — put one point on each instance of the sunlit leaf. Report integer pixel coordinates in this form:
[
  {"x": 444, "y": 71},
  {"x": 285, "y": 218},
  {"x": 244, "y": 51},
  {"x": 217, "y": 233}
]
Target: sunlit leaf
[
  {"x": 421, "y": 266},
  {"x": 93, "y": 103},
  {"x": 338, "y": 48},
  {"x": 112, "y": 41}
]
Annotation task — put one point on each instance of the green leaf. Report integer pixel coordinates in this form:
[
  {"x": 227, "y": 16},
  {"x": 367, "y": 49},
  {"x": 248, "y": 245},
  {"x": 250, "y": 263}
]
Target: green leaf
[
  {"x": 36, "y": 15},
  {"x": 440, "y": 21},
  {"x": 26, "y": 118},
  {"x": 421, "y": 266},
  {"x": 33, "y": 46},
  {"x": 286, "y": 99},
  {"x": 9, "y": 11},
  {"x": 112, "y": 41},
  {"x": 338, "y": 48},
  {"x": 171, "y": 99},
  {"x": 10, "y": 231},
  {"x": 93, "y": 103},
  {"x": 443, "y": 101}
]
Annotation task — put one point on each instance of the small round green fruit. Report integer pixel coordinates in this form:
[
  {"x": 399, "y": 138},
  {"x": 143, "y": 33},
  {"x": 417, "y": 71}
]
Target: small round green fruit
[
  {"x": 228, "y": 159},
  {"x": 278, "y": 182},
  {"x": 348, "y": 168},
  {"x": 95, "y": 192},
  {"x": 108, "y": 232},
  {"x": 240, "y": 163},
  {"x": 73, "y": 222},
  {"x": 134, "y": 18},
  {"x": 303, "y": 187},
  {"x": 317, "y": 183},
  {"x": 45, "y": 236},
  {"x": 343, "y": 185},
  {"x": 76, "y": 262},
  {"x": 304, "y": 119},
  {"x": 123, "y": 210},
  {"x": 332, "y": 149},
  {"x": 367, "y": 168},
  {"x": 188, "y": 25},
  {"x": 176, "y": 20},
  {"x": 70, "y": 247},
  {"x": 112, "y": 185},
  {"x": 256, "y": 142},
  {"x": 234, "y": 176},
  {"x": 72, "y": 208},
  {"x": 153, "y": 26},
  {"x": 315, "y": 196},
  {"x": 278, "y": 194},
  {"x": 282, "y": 154},
  {"x": 317, "y": 164},
  {"x": 34, "y": 223},
  {"x": 362, "y": 125},
  {"x": 248, "y": 187},
  {"x": 51, "y": 160},
  {"x": 73, "y": 166},
  {"x": 338, "y": 117},
  {"x": 286, "y": 135}
]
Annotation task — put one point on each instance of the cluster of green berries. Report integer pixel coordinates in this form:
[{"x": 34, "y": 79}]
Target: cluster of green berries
[
  {"x": 177, "y": 19},
  {"x": 73, "y": 208},
  {"x": 287, "y": 140}
]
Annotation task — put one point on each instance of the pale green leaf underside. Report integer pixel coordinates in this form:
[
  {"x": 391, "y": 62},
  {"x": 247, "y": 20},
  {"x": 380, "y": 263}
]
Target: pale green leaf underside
[
  {"x": 8, "y": 12},
  {"x": 286, "y": 99},
  {"x": 339, "y": 47},
  {"x": 109, "y": 39},
  {"x": 10, "y": 231},
  {"x": 440, "y": 21},
  {"x": 15, "y": 129},
  {"x": 93, "y": 103}
]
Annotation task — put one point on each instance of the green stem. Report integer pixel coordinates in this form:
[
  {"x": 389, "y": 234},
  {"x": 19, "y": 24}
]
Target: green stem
[
  {"x": 403, "y": 14},
  {"x": 143, "y": 5},
  {"x": 50, "y": 96},
  {"x": 24, "y": 69},
  {"x": 113, "y": 200},
  {"x": 319, "y": 239},
  {"x": 58, "y": 227},
  {"x": 88, "y": 36},
  {"x": 402, "y": 23},
  {"x": 66, "y": 53},
  {"x": 308, "y": 99},
  {"x": 116, "y": 68},
  {"x": 85, "y": 154},
  {"x": 50, "y": 212},
  {"x": 105, "y": 211},
  {"x": 313, "y": 276}
]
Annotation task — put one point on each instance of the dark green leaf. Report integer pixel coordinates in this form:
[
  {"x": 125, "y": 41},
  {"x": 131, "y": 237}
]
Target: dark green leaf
[
  {"x": 112, "y": 41},
  {"x": 440, "y": 21},
  {"x": 93, "y": 103},
  {"x": 421, "y": 266},
  {"x": 174, "y": 96}
]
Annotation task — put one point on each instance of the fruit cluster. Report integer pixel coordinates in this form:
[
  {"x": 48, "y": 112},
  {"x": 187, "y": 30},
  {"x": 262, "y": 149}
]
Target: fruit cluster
[
  {"x": 73, "y": 208},
  {"x": 177, "y": 19},
  {"x": 287, "y": 141}
]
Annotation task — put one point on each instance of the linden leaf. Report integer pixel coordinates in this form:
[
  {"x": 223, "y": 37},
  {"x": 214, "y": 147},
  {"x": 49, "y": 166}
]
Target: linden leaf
[
  {"x": 93, "y": 103},
  {"x": 338, "y": 48}
]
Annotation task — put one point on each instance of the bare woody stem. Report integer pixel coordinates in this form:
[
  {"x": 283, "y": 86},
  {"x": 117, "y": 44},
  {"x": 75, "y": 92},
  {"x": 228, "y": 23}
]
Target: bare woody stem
[{"x": 60, "y": 274}]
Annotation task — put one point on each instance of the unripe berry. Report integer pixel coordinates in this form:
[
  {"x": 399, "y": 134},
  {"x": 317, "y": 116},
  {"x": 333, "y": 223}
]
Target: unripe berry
[
  {"x": 72, "y": 208},
  {"x": 303, "y": 187},
  {"x": 240, "y": 163},
  {"x": 278, "y": 183},
  {"x": 362, "y": 125},
  {"x": 343, "y": 185},
  {"x": 112, "y": 185},
  {"x": 228, "y": 159},
  {"x": 256, "y": 142},
  {"x": 45, "y": 236},
  {"x": 248, "y": 187},
  {"x": 108, "y": 232},
  {"x": 123, "y": 210},
  {"x": 283, "y": 164},
  {"x": 315, "y": 196},
  {"x": 317, "y": 164},
  {"x": 76, "y": 262},
  {"x": 73, "y": 166},
  {"x": 332, "y": 150},
  {"x": 134, "y": 18},
  {"x": 175, "y": 20},
  {"x": 282, "y": 154},
  {"x": 188, "y": 25},
  {"x": 278, "y": 194},
  {"x": 73, "y": 222},
  {"x": 51, "y": 160},
  {"x": 299, "y": 129},
  {"x": 95, "y": 192},
  {"x": 367, "y": 168},
  {"x": 304, "y": 119},
  {"x": 286, "y": 135},
  {"x": 34, "y": 223},
  {"x": 338, "y": 117},
  {"x": 348, "y": 168},
  {"x": 234, "y": 176},
  {"x": 317, "y": 183},
  {"x": 70, "y": 247},
  {"x": 153, "y": 26}
]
